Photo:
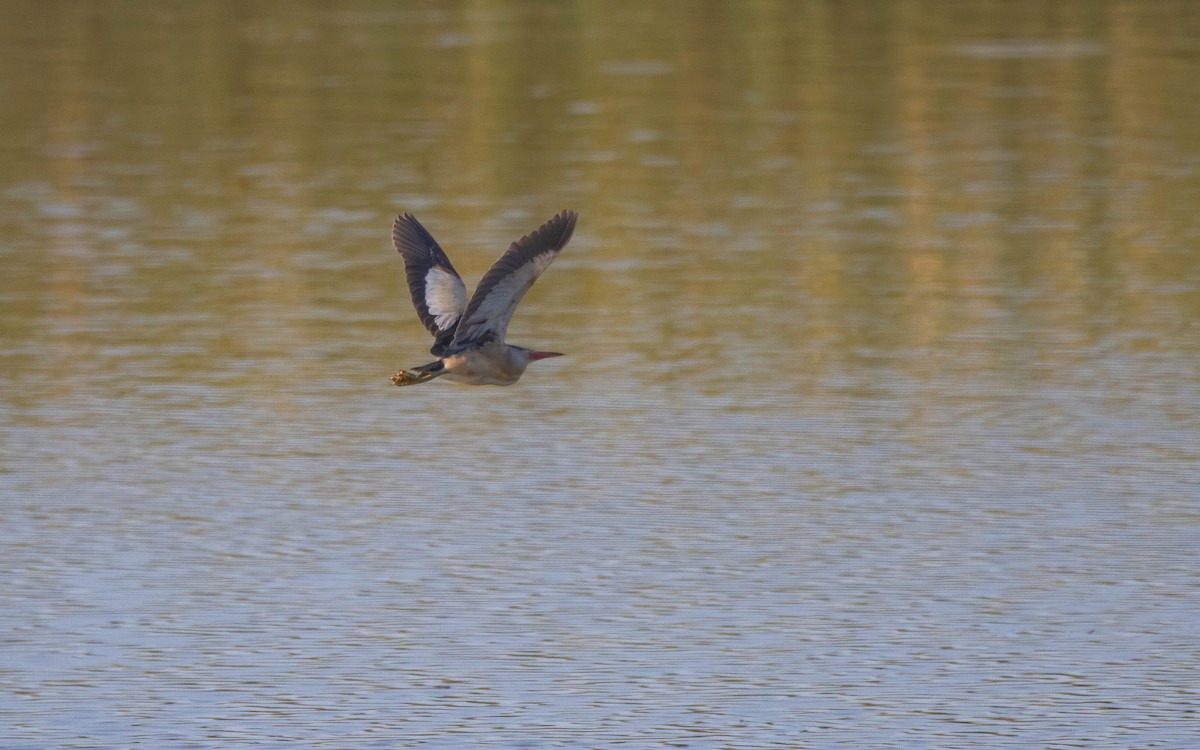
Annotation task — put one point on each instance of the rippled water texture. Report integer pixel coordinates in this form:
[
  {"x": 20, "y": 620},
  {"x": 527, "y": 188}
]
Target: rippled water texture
[{"x": 878, "y": 426}]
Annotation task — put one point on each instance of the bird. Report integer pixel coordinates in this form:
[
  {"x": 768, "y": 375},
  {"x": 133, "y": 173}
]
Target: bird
[{"x": 469, "y": 335}]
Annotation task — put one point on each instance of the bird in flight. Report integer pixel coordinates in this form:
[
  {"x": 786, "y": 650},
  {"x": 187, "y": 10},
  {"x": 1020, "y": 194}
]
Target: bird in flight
[{"x": 469, "y": 335}]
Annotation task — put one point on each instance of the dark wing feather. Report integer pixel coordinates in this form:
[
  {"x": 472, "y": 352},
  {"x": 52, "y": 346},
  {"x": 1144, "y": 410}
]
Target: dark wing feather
[
  {"x": 498, "y": 294},
  {"x": 437, "y": 290}
]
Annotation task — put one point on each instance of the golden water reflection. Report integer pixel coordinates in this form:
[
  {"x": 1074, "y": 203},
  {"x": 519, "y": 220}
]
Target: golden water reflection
[{"x": 787, "y": 176}]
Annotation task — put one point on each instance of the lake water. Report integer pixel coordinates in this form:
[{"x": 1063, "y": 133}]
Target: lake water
[{"x": 878, "y": 427}]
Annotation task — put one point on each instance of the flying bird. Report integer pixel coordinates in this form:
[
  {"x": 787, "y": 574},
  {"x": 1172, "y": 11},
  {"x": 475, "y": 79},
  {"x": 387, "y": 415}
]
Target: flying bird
[{"x": 469, "y": 335}]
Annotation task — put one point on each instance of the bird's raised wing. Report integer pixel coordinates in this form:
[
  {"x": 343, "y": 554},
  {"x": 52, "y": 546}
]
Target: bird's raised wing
[
  {"x": 502, "y": 287},
  {"x": 437, "y": 290}
]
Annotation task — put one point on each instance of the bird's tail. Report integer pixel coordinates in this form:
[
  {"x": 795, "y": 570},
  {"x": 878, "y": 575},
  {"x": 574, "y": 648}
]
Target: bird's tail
[{"x": 419, "y": 374}]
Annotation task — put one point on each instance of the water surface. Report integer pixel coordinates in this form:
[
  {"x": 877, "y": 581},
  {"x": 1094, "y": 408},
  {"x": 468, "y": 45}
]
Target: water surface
[{"x": 878, "y": 426}]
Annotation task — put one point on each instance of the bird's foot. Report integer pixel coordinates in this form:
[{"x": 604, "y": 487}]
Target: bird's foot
[{"x": 404, "y": 377}]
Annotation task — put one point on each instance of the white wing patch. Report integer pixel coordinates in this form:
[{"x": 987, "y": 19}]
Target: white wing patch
[
  {"x": 445, "y": 296},
  {"x": 541, "y": 262}
]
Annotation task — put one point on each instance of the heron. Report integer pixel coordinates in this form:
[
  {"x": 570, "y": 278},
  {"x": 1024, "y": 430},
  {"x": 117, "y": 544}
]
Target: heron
[{"x": 469, "y": 335}]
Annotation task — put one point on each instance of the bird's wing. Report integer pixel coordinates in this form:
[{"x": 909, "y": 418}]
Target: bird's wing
[
  {"x": 438, "y": 291},
  {"x": 501, "y": 289}
]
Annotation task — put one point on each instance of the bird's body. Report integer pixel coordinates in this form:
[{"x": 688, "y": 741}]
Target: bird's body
[{"x": 469, "y": 334}]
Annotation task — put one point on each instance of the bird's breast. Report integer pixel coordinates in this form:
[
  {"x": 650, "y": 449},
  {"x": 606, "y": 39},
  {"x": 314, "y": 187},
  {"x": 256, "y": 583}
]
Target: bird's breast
[{"x": 487, "y": 365}]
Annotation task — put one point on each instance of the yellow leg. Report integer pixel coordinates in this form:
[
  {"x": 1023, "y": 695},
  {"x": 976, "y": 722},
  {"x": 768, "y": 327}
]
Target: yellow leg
[{"x": 404, "y": 377}]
